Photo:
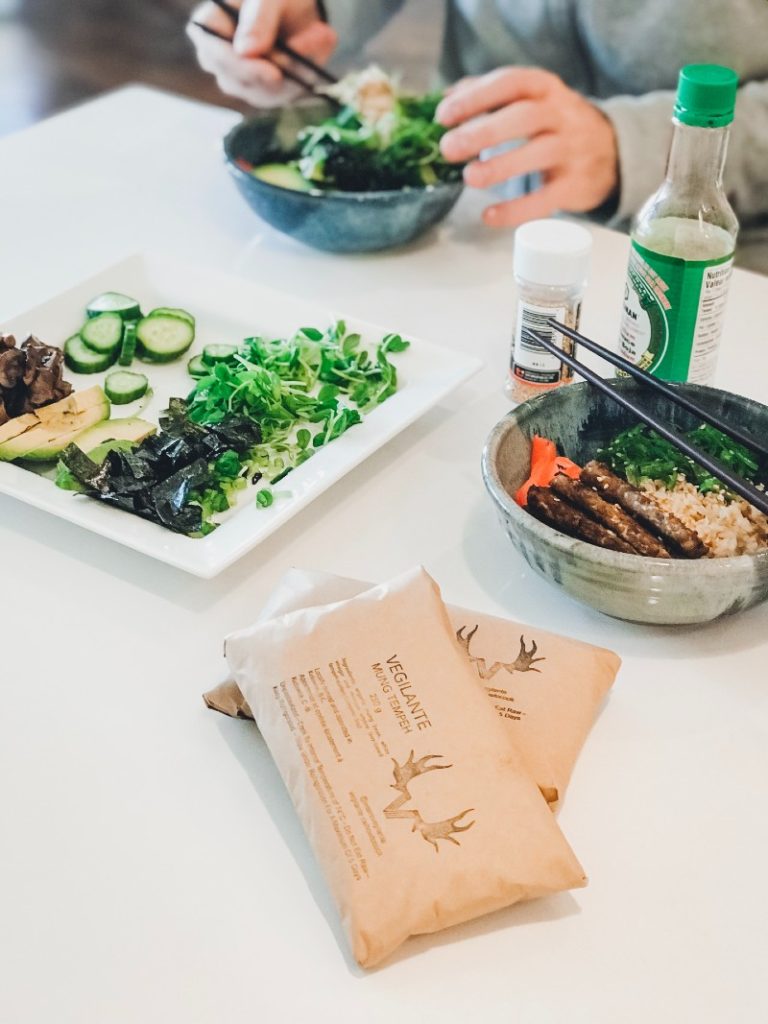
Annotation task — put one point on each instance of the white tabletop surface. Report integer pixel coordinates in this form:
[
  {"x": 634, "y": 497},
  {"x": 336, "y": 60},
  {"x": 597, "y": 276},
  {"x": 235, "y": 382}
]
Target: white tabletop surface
[{"x": 151, "y": 866}]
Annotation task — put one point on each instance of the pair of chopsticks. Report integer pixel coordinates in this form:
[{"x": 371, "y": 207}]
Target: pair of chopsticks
[
  {"x": 736, "y": 483},
  {"x": 234, "y": 16}
]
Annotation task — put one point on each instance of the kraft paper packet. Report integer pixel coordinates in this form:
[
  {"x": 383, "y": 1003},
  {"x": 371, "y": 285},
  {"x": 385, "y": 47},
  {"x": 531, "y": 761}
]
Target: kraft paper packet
[
  {"x": 419, "y": 810},
  {"x": 546, "y": 688}
]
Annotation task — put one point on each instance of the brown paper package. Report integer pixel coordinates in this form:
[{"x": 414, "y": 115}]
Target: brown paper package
[
  {"x": 547, "y": 689},
  {"x": 418, "y": 808}
]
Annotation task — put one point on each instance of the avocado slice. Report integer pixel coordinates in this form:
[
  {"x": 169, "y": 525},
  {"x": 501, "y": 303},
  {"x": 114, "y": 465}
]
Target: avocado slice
[
  {"x": 17, "y": 426},
  {"x": 126, "y": 429},
  {"x": 61, "y": 415},
  {"x": 46, "y": 440},
  {"x": 282, "y": 175}
]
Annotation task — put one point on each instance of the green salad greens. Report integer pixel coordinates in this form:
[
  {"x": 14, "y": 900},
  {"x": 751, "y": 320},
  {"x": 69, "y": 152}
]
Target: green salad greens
[
  {"x": 641, "y": 454},
  {"x": 303, "y": 392},
  {"x": 347, "y": 154},
  {"x": 258, "y": 411},
  {"x": 379, "y": 140}
]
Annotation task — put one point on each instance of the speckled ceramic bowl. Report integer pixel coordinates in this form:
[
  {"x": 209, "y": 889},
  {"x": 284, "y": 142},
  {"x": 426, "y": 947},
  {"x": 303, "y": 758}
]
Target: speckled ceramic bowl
[
  {"x": 335, "y": 221},
  {"x": 657, "y": 590}
]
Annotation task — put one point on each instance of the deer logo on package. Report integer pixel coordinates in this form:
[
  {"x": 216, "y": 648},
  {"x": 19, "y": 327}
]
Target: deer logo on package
[
  {"x": 524, "y": 661},
  {"x": 431, "y": 831}
]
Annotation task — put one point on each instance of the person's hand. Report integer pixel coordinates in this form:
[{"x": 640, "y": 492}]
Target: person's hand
[
  {"x": 241, "y": 67},
  {"x": 562, "y": 135}
]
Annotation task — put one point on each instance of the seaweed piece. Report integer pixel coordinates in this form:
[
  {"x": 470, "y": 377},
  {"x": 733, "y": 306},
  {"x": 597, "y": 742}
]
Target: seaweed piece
[
  {"x": 237, "y": 433},
  {"x": 89, "y": 474},
  {"x": 168, "y": 499},
  {"x": 162, "y": 478}
]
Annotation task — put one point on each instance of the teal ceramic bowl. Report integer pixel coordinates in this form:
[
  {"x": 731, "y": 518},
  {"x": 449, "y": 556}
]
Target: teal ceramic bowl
[
  {"x": 654, "y": 590},
  {"x": 334, "y": 221}
]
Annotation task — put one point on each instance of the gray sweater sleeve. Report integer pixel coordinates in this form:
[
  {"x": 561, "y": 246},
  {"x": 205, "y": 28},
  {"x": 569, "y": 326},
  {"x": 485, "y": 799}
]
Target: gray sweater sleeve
[
  {"x": 357, "y": 22},
  {"x": 643, "y": 133}
]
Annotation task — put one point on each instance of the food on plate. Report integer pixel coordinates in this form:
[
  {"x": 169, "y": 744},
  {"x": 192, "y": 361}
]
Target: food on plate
[
  {"x": 610, "y": 515},
  {"x": 726, "y": 524},
  {"x": 213, "y": 354},
  {"x": 645, "y": 508},
  {"x": 129, "y": 429},
  {"x": 642, "y": 491},
  {"x": 115, "y": 332},
  {"x": 546, "y": 505},
  {"x": 103, "y": 333},
  {"x": 164, "y": 336},
  {"x": 114, "y": 302},
  {"x": 41, "y": 435},
  {"x": 255, "y": 413},
  {"x": 640, "y": 454},
  {"x": 81, "y": 358},
  {"x": 128, "y": 344},
  {"x": 31, "y": 376},
  {"x": 381, "y": 139},
  {"x": 545, "y": 464},
  {"x": 197, "y": 367},
  {"x": 123, "y": 386},
  {"x": 164, "y": 477},
  {"x": 370, "y": 93},
  {"x": 303, "y": 391}
]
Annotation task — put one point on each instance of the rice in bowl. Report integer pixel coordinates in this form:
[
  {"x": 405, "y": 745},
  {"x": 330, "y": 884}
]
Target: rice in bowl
[{"x": 728, "y": 525}]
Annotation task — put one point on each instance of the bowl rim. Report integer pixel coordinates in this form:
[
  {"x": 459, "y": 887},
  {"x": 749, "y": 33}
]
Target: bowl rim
[
  {"x": 575, "y": 547},
  {"x": 337, "y": 195}
]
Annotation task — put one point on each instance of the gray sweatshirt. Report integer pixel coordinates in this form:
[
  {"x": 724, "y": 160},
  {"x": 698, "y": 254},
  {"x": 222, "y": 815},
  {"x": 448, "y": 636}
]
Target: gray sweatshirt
[{"x": 625, "y": 55}]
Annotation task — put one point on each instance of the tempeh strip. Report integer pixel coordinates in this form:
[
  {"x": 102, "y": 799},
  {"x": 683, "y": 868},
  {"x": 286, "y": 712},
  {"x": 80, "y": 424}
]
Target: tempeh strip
[
  {"x": 607, "y": 514},
  {"x": 645, "y": 507},
  {"x": 552, "y": 510}
]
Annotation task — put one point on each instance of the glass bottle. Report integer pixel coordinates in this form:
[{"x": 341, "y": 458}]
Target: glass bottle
[{"x": 684, "y": 238}]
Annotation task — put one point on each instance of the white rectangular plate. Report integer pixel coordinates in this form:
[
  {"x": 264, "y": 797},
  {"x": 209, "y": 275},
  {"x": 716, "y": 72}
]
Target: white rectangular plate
[{"x": 227, "y": 309}]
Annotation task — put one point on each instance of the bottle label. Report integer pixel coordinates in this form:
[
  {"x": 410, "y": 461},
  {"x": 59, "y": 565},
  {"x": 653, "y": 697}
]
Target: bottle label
[
  {"x": 530, "y": 361},
  {"x": 672, "y": 316}
]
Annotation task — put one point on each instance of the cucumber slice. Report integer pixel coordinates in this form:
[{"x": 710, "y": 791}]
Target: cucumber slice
[
  {"x": 128, "y": 345},
  {"x": 213, "y": 354},
  {"x": 282, "y": 175},
  {"x": 103, "y": 333},
  {"x": 122, "y": 387},
  {"x": 82, "y": 359},
  {"x": 182, "y": 314},
  {"x": 197, "y": 368},
  {"x": 114, "y": 302},
  {"x": 164, "y": 338}
]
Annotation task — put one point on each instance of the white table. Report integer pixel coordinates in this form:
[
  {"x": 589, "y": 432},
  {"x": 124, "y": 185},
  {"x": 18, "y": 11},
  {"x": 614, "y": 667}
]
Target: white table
[{"x": 151, "y": 866}]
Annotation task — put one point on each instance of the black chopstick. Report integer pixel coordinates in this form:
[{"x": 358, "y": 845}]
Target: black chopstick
[
  {"x": 742, "y": 436},
  {"x": 735, "y": 483},
  {"x": 306, "y": 86},
  {"x": 306, "y": 62},
  {"x": 234, "y": 15}
]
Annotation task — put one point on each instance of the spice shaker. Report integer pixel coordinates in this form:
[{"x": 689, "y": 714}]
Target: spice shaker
[{"x": 551, "y": 263}]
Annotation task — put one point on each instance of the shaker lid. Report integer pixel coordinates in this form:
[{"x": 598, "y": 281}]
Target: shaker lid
[{"x": 552, "y": 252}]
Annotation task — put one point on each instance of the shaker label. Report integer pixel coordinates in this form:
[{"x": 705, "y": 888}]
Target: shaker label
[
  {"x": 530, "y": 361},
  {"x": 672, "y": 314}
]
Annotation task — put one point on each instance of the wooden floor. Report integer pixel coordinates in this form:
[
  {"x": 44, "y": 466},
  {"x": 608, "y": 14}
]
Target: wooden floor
[{"x": 54, "y": 53}]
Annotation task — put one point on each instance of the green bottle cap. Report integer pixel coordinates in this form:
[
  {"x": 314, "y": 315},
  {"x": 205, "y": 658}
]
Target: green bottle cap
[{"x": 706, "y": 95}]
